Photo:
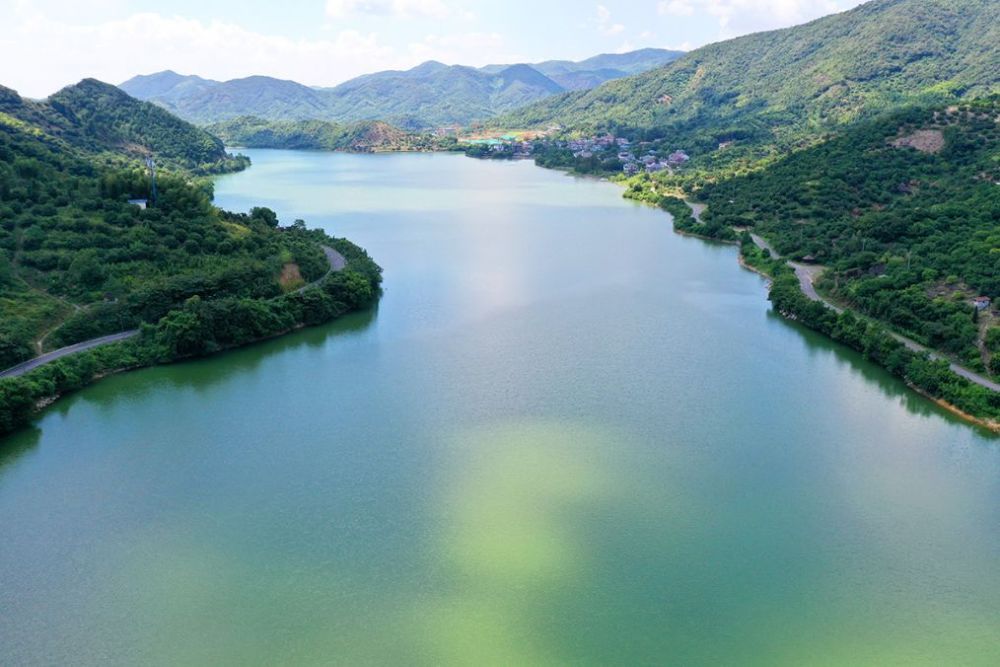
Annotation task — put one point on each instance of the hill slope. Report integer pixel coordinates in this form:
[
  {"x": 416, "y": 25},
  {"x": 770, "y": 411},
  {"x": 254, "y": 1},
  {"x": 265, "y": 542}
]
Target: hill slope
[
  {"x": 905, "y": 212},
  {"x": 368, "y": 136},
  {"x": 433, "y": 95},
  {"x": 99, "y": 119},
  {"x": 594, "y": 71},
  {"x": 201, "y": 101},
  {"x": 804, "y": 79}
]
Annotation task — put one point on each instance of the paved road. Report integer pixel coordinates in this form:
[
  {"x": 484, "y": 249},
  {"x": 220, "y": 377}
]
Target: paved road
[
  {"x": 696, "y": 210},
  {"x": 337, "y": 263},
  {"x": 32, "y": 364},
  {"x": 808, "y": 274}
]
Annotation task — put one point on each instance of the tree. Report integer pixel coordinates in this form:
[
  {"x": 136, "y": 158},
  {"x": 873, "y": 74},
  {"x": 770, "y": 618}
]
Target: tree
[{"x": 265, "y": 215}]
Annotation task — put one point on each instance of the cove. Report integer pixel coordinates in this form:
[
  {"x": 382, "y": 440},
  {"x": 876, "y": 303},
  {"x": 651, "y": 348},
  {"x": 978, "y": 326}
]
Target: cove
[{"x": 567, "y": 435}]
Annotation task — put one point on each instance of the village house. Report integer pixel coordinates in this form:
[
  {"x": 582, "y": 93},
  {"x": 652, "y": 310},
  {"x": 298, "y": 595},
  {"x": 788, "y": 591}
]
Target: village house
[
  {"x": 982, "y": 303},
  {"x": 677, "y": 158}
]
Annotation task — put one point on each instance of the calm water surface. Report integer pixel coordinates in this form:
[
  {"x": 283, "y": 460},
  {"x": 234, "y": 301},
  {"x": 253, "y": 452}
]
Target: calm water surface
[{"x": 567, "y": 436}]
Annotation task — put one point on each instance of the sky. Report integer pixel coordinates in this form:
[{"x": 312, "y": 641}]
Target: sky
[{"x": 48, "y": 44}]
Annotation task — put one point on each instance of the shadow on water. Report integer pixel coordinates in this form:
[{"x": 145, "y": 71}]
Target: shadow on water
[
  {"x": 203, "y": 374},
  {"x": 14, "y": 446},
  {"x": 199, "y": 374},
  {"x": 891, "y": 386}
]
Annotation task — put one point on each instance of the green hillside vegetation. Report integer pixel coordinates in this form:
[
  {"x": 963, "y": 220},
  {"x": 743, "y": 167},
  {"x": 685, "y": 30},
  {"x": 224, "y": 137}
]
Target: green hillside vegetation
[
  {"x": 100, "y": 121},
  {"x": 910, "y": 234},
  {"x": 78, "y": 261},
  {"x": 363, "y": 136},
  {"x": 780, "y": 90}
]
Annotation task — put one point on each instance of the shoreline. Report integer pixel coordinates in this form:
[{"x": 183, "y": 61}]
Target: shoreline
[
  {"x": 25, "y": 397},
  {"x": 993, "y": 427},
  {"x": 989, "y": 425}
]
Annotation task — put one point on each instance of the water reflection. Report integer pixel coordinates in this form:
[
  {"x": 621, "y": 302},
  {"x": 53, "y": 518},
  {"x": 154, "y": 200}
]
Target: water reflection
[
  {"x": 818, "y": 345},
  {"x": 200, "y": 375},
  {"x": 17, "y": 445}
]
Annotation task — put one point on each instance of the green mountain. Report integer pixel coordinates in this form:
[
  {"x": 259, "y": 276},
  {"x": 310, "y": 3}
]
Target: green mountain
[
  {"x": 204, "y": 101},
  {"x": 594, "y": 71},
  {"x": 434, "y": 95},
  {"x": 96, "y": 118},
  {"x": 161, "y": 84},
  {"x": 779, "y": 86},
  {"x": 368, "y": 136},
  {"x": 429, "y": 95}
]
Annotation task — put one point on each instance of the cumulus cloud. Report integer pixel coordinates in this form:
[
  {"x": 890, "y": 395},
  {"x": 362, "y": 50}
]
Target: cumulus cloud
[
  {"x": 118, "y": 49},
  {"x": 148, "y": 42},
  {"x": 676, "y": 8},
  {"x": 472, "y": 48},
  {"x": 605, "y": 24},
  {"x": 738, "y": 17},
  {"x": 435, "y": 9}
]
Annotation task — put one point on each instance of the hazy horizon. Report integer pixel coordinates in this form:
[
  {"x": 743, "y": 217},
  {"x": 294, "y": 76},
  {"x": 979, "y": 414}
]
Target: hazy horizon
[{"x": 323, "y": 44}]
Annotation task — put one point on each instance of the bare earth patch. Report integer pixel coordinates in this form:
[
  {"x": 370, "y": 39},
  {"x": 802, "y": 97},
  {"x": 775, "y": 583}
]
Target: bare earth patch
[
  {"x": 291, "y": 277},
  {"x": 925, "y": 141}
]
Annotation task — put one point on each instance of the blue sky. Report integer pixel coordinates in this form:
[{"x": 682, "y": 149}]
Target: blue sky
[{"x": 46, "y": 44}]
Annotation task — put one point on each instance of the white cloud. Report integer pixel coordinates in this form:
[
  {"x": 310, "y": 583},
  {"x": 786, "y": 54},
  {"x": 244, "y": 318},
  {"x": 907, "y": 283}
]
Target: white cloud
[
  {"x": 435, "y": 9},
  {"x": 118, "y": 49},
  {"x": 473, "y": 48},
  {"x": 739, "y": 17},
  {"x": 605, "y": 23},
  {"x": 148, "y": 42},
  {"x": 676, "y": 8}
]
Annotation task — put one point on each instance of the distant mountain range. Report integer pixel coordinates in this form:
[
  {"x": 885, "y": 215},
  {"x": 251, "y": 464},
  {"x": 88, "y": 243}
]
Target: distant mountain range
[
  {"x": 97, "y": 119},
  {"x": 429, "y": 95}
]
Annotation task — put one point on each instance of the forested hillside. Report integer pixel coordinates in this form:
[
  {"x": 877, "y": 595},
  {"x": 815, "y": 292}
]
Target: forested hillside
[
  {"x": 773, "y": 90},
  {"x": 360, "y": 137},
  {"x": 99, "y": 120},
  {"x": 78, "y": 261}
]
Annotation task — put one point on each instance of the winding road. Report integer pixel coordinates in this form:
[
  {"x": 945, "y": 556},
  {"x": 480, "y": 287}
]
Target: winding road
[
  {"x": 337, "y": 263},
  {"x": 48, "y": 358},
  {"x": 807, "y": 275}
]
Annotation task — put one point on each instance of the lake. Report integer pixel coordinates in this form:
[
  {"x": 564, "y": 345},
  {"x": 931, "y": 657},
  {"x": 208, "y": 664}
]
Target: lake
[{"x": 567, "y": 436}]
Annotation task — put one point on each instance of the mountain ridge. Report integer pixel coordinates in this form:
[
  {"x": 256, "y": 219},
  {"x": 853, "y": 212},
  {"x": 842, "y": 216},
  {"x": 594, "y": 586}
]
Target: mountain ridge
[
  {"x": 97, "y": 118},
  {"x": 810, "y": 78},
  {"x": 431, "y": 94}
]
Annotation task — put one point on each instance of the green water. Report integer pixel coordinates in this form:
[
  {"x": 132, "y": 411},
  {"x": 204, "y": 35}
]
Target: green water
[{"x": 568, "y": 436}]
